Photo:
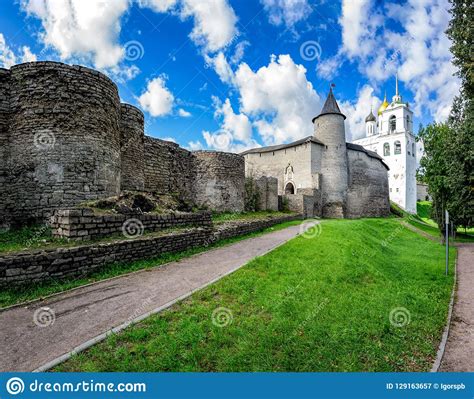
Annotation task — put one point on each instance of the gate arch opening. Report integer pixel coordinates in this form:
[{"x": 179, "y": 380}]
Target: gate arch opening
[{"x": 290, "y": 188}]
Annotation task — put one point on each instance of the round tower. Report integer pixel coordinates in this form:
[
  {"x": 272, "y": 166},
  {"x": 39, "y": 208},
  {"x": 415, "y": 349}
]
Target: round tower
[
  {"x": 132, "y": 135},
  {"x": 64, "y": 138},
  {"x": 329, "y": 128}
]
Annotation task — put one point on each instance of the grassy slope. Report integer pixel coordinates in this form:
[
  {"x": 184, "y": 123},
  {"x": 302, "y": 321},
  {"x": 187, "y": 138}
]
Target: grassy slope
[
  {"x": 423, "y": 222},
  {"x": 25, "y": 293},
  {"x": 314, "y": 304}
]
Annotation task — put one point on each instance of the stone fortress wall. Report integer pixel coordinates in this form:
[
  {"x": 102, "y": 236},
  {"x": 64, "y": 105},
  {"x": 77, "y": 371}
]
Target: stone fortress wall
[{"x": 65, "y": 138}]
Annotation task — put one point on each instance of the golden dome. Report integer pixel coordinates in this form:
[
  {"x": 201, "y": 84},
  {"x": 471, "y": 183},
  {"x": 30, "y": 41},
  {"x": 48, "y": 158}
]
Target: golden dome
[{"x": 383, "y": 106}]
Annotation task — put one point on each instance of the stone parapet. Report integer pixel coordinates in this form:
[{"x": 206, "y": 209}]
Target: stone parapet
[
  {"x": 83, "y": 224},
  {"x": 71, "y": 262}
]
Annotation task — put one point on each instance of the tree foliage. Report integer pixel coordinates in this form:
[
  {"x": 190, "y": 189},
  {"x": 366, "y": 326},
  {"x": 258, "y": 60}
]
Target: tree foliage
[{"x": 447, "y": 165}]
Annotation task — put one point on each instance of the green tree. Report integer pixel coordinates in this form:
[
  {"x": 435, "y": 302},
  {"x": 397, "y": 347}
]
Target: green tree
[
  {"x": 461, "y": 33},
  {"x": 447, "y": 165}
]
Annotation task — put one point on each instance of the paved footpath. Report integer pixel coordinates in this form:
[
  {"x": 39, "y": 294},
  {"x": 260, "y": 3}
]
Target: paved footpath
[
  {"x": 85, "y": 314},
  {"x": 459, "y": 351}
]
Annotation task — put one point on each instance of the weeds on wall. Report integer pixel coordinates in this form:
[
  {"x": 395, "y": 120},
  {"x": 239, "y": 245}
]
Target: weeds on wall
[{"x": 252, "y": 196}]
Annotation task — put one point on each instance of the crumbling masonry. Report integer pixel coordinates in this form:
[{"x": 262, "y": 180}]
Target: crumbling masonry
[{"x": 65, "y": 138}]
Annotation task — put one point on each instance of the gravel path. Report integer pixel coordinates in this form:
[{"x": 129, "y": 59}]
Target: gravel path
[
  {"x": 459, "y": 351},
  {"x": 30, "y": 340}
]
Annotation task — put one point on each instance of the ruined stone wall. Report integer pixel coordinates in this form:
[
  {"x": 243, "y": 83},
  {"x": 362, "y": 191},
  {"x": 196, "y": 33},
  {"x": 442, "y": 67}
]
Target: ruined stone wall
[
  {"x": 59, "y": 263},
  {"x": 83, "y": 224},
  {"x": 4, "y": 146},
  {"x": 64, "y": 141},
  {"x": 368, "y": 193},
  {"x": 220, "y": 181},
  {"x": 132, "y": 148},
  {"x": 168, "y": 169},
  {"x": 267, "y": 193}
]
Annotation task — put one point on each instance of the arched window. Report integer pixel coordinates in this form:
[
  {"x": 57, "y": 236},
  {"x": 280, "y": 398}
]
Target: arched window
[
  {"x": 386, "y": 150},
  {"x": 408, "y": 122},
  {"x": 392, "y": 123},
  {"x": 398, "y": 148},
  {"x": 289, "y": 189},
  {"x": 413, "y": 149}
]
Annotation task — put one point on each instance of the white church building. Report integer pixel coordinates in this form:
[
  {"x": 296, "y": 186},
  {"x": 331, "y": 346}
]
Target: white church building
[{"x": 390, "y": 135}]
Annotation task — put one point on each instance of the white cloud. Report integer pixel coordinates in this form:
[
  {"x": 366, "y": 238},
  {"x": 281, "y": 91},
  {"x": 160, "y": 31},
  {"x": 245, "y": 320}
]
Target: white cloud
[
  {"x": 327, "y": 68},
  {"x": 279, "y": 99},
  {"x": 195, "y": 146},
  {"x": 8, "y": 57},
  {"x": 414, "y": 44},
  {"x": 356, "y": 112},
  {"x": 239, "y": 52},
  {"x": 27, "y": 56},
  {"x": 358, "y": 28},
  {"x": 214, "y": 23},
  {"x": 85, "y": 29},
  {"x": 287, "y": 12},
  {"x": 238, "y": 125},
  {"x": 221, "y": 66},
  {"x": 157, "y": 100},
  {"x": 224, "y": 141},
  {"x": 183, "y": 113},
  {"x": 172, "y": 139},
  {"x": 158, "y": 5}
]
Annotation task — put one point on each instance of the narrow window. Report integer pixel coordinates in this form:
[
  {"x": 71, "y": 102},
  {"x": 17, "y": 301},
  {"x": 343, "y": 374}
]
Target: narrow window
[
  {"x": 386, "y": 150},
  {"x": 392, "y": 123},
  {"x": 398, "y": 147}
]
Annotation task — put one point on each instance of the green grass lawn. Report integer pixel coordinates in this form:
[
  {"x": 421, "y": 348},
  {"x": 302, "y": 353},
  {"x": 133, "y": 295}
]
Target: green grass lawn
[
  {"x": 317, "y": 303},
  {"x": 11, "y": 296}
]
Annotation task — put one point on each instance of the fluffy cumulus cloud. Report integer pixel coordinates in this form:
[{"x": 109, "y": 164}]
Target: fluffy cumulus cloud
[
  {"x": 235, "y": 133},
  {"x": 8, "y": 57},
  {"x": 413, "y": 43},
  {"x": 357, "y": 111},
  {"x": 214, "y": 23},
  {"x": 286, "y": 12},
  {"x": 157, "y": 100},
  {"x": 83, "y": 29},
  {"x": 279, "y": 98},
  {"x": 237, "y": 124},
  {"x": 276, "y": 101}
]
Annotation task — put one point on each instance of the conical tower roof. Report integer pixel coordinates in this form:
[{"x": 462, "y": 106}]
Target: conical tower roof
[{"x": 330, "y": 106}]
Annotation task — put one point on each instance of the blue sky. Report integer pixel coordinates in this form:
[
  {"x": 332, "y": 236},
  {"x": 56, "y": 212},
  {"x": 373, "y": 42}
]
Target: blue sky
[{"x": 234, "y": 74}]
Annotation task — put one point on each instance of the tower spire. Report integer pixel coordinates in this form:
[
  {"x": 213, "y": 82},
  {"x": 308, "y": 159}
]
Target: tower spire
[
  {"x": 397, "y": 98},
  {"x": 396, "y": 84}
]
